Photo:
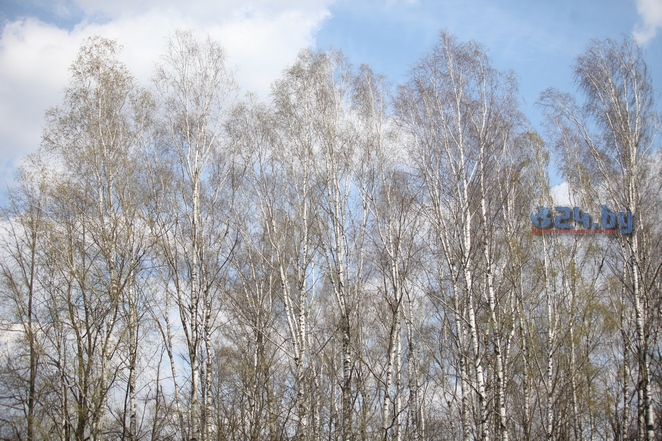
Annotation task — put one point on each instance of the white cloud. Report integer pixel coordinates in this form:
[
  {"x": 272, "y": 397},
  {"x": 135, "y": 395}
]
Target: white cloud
[
  {"x": 263, "y": 47},
  {"x": 261, "y": 40},
  {"x": 561, "y": 195},
  {"x": 33, "y": 70},
  {"x": 650, "y": 12}
]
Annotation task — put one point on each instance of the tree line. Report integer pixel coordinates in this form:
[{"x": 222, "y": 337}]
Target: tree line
[{"x": 346, "y": 260}]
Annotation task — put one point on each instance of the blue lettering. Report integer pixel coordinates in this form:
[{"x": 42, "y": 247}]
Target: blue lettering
[
  {"x": 562, "y": 220},
  {"x": 608, "y": 219},
  {"x": 583, "y": 218},
  {"x": 624, "y": 223},
  {"x": 566, "y": 218}
]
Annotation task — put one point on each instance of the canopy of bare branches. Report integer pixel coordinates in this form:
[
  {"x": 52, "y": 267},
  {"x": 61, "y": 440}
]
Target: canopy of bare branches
[{"x": 347, "y": 260}]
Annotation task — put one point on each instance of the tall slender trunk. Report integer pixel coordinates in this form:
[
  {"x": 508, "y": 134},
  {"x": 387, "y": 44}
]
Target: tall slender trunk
[
  {"x": 489, "y": 280},
  {"x": 169, "y": 342},
  {"x": 133, "y": 356},
  {"x": 398, "y": 388},
  {"x": 32, "y": 381},
  {"x": 625, "y": 373},
  {"x": 479, "y": 384},
  {"x": 65, "y": 427},
  {"x": 194, "y": 306},
  {"x": 644, "y": 399},
  {"x": 339, "y": 275},
  {"x": 571, "y": 292},
  {"x": 392, "y": 350},
  {"x": 207, "y": 329},
  {"x": 576, "y": 423},
  {"x": 551, "y": 337},
  {"x": 467, "y": 264},
  {"x": 418, "y": 429},
  {"x": 526, "y": 388},
  {"x": 303, "y": 391},
  {"x": 346, "y": 388},
  {"x": 462, "y": 359}
]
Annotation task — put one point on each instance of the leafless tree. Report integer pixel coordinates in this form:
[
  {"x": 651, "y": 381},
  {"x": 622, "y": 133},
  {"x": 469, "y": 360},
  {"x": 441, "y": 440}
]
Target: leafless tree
[
  {"x": 464, "y": 122},
  {"x": 606, "y": 147},
  {"x": 24, "y": 230},
  {"x": 93, "y": 247},
  {"x": 196, "y": 91}
]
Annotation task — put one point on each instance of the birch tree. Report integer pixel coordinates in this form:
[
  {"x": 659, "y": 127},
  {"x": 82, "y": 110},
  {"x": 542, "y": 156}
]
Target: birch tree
[
  {"x": 273, "y": 273},
  {"x": 23, "y": 234},
  {"x": 296, "y": 151},
  {"x": 607, "y": 146},
  {"x": 317, "y": 91},
  {"x": 195, "y": 90},
  {"x": 394, "y": 248},
  {"x": 89, "y": 162},
  {"x": 463, "y": 118},
  {"x": 342, "y": 214}
]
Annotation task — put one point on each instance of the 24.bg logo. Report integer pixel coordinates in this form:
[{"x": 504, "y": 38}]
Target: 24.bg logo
[{"x": 563, "y": 219}]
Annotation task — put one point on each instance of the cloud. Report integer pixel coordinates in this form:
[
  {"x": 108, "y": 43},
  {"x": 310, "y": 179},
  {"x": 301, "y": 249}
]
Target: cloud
[
  {"x": 650, "y": 12},
  {"x": 262, "y": 47},
  {"x": 561, "y": 194},
  {"x": 33, "y": 71},
  {"x": 261, "y": 39}
]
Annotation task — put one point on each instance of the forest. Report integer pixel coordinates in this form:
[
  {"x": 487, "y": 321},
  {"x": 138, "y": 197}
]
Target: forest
[{"x": 347, "y": 259}]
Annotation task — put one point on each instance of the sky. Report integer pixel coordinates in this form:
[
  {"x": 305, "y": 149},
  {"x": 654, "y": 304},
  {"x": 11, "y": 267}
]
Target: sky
[{"x": 537, "y": 40}]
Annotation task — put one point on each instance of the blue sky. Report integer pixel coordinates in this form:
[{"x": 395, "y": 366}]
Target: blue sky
[{"x": 538, "y": 40}]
